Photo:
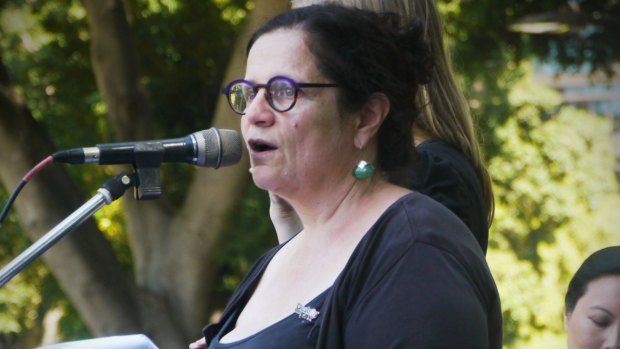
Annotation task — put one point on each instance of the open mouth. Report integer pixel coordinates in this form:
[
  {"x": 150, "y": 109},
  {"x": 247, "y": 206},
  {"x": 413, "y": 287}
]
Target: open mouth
[{"x": 260, "y": 146}]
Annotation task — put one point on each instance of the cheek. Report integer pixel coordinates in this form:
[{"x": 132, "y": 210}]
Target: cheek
[
  {"x": 582, "y": 333},
  {"x": 243, "y": 125}
]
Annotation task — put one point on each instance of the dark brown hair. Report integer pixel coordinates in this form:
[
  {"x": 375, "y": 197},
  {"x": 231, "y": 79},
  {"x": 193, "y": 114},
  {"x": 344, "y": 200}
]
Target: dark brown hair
[
  {"x": 601, "y": 263},
  {"x": 365, "y": 53}
]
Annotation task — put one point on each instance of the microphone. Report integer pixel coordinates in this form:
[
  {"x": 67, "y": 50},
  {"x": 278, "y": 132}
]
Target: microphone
[{"x": 208, "y": 148}]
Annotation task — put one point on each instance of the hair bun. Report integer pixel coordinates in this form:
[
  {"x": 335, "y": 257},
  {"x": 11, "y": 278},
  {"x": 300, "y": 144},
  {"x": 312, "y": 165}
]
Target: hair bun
[{"x": 417, "y": 55}]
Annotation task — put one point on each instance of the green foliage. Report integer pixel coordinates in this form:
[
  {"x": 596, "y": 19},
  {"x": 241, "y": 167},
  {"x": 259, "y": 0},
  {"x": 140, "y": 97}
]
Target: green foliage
[
  {"x": 31, "y": 294},
  {"x": 111, "y": 222},
  {"x": 48, "y": 58},
  {"x": 71, "y": 326},
  {"x": 45, "y": 47},
  {"x": 18, "y": 306},
  {"x": 251, "y": 235},
  {"x": 183, "y": 48},
  {"x": 19, "y": 298},
  {"x": 551, "y": 167},
  {"x": 480, "y": 29},
  {"x": 555, "y": 193}
]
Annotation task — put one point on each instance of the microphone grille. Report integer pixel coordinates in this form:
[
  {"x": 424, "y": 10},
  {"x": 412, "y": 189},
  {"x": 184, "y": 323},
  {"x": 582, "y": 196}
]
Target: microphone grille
[{"x": 218, "y": 147}]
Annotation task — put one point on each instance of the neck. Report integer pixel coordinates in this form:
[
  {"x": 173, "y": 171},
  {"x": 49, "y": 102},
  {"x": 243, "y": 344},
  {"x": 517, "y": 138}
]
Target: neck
[{"x": 337, "y": 212}]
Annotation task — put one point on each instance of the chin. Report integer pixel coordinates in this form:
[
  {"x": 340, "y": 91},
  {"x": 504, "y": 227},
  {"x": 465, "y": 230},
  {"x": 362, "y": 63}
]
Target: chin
[{"x": 262, "y": 179}]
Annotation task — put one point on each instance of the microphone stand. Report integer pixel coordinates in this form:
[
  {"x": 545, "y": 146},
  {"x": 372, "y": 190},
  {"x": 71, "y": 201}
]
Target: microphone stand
[{"x": 110, "y": 191}]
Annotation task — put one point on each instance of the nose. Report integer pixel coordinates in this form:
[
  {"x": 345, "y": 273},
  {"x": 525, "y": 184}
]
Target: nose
[{"x": 258, "y": 112}]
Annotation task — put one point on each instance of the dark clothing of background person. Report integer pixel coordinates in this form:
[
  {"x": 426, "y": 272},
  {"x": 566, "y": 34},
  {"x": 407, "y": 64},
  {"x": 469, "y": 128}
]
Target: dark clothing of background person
[
  {"x": 442, "y": 172},
  {"x": 418, "y": 267}
]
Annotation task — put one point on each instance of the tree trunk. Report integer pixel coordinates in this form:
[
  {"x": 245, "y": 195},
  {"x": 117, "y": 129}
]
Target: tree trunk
[
  {"x": 171, "y": 253},
  {"x": 169, "y": 300},
  {"x": 83, "y": 262},
  {"x": 212, "y": 198}
]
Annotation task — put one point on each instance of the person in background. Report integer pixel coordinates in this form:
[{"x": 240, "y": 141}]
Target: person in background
[
  {"x": 327, "y": 105},
  {"x": 592, "y": 304},
  {"x": 448, "y": 166}
]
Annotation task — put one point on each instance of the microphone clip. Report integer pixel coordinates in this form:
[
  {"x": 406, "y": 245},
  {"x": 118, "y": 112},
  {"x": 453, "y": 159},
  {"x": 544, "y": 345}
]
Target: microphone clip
[{"x": 148, "y": 159}]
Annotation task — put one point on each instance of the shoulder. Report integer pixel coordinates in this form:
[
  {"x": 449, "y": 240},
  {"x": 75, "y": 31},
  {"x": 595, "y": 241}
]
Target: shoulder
[
  {"x": 420, "y": 230},
  {"x": 418, "y": 218},
  {"x": 442, "y": 172},
  {"x": 441, "y": 149},
  {"x": 420, "y": 260},
  {"x": 436, "y": 157},
  {"x": 416, "y": 227},
  {"x": 415, "y": 222}
]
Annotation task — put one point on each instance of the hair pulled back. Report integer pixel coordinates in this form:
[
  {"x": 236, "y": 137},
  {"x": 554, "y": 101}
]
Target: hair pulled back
[
  {"x": 445, "y": 111},
  {"x": 604, "y": 262},
  {"x": 366, "y": 53}
]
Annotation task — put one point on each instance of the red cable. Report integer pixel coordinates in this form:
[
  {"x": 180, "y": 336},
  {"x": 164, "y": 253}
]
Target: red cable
[{"x": 41, "y": 165}]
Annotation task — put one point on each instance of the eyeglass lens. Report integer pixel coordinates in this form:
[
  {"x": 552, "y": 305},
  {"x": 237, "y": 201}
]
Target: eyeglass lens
[{"x": 281, "y": 94}]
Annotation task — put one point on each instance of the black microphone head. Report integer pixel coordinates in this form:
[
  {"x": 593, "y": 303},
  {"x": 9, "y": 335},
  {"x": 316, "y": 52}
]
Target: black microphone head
[{"x": 218, "y": 147}]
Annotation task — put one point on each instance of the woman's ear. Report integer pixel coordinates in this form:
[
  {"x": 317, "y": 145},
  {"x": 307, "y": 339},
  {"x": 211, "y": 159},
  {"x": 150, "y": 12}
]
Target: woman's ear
[{"x": 370, "y": 118}]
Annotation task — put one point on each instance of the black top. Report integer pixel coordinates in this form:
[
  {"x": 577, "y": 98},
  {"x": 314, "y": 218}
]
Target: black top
[
  {"x": 290, "y": 332},
  {"x": 417, "y": 279},
  {"x": 442, "y": 172}
]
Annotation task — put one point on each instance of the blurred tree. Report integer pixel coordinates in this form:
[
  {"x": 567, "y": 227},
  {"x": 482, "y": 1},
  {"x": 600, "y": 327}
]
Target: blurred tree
[
  {"x": 482, "y": 29},
  {"x": 145, "y": 69},
  {"x": 181, "y": 50},
  {"x": 556, "y": 200},
  {"x": 552, "y": 166}
]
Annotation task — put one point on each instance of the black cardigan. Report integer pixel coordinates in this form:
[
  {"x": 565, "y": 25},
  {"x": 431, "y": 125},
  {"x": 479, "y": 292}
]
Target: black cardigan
[{"x": 417, "y": 279}]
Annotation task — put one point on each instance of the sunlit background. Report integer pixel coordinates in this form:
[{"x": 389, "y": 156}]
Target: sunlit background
[{"x": 542, "y": 77}]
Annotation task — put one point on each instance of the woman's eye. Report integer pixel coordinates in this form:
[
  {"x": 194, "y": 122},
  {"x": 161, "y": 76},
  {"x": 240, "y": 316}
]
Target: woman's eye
[
  {"x": 282, "y": 90},
  {"x": 600, "y": 321}
]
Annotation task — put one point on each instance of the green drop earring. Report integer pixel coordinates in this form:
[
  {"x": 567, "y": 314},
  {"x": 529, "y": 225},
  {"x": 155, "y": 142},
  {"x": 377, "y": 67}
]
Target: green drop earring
[{"x": 363, "y": 170}]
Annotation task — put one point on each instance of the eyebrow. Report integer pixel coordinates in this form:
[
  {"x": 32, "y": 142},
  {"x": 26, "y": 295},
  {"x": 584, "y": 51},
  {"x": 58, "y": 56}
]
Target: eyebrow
[{"x": 598, "y": 307}]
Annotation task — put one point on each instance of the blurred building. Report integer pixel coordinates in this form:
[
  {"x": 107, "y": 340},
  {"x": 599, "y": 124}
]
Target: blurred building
[{"x": 599, "y": 93}]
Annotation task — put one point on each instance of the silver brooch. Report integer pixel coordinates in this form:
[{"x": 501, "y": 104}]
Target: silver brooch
[{"x": 306, "y": 313}]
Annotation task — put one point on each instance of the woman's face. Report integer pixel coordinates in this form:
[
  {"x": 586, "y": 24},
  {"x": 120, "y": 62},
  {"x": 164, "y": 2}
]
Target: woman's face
[
  {"x": 595, "y": 321},
  {"x": 308, "y": 147}
]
